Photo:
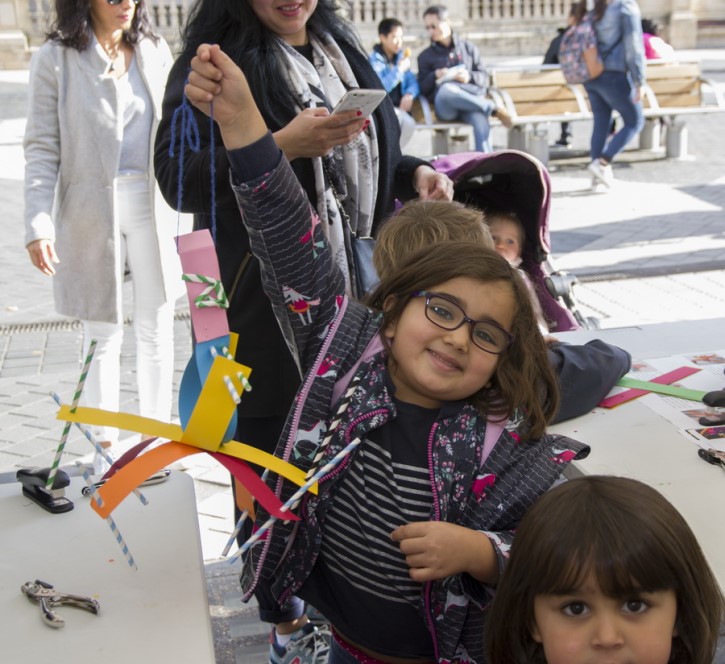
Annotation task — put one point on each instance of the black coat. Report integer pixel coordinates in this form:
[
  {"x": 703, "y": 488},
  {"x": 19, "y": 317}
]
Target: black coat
[{"x": 274, "y": 375}]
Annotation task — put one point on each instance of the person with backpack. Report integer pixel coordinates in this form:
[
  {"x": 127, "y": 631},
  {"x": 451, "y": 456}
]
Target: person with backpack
[{"x": 615, "y": 78}]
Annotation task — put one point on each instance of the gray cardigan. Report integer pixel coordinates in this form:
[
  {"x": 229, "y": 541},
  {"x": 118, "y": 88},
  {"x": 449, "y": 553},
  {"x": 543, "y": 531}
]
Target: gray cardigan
[{"x": 72, "y": 149}]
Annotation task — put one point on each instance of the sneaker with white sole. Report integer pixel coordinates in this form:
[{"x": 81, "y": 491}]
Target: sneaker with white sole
[
  {"x": 309, "y": 645},
  {"x": 603, "y": 173}
]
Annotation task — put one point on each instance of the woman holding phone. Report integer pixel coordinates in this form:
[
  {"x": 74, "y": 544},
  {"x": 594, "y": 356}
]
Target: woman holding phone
[{"x": 300, "y": 59}]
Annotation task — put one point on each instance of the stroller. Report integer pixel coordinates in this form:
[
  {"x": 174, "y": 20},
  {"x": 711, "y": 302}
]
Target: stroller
[{"x": 515, "y": 181}]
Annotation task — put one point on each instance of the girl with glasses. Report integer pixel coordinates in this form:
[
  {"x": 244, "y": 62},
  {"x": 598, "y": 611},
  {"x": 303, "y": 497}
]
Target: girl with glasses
[
  {"x": 91, "y": 206},
  {"x": 440, "y": 391}
]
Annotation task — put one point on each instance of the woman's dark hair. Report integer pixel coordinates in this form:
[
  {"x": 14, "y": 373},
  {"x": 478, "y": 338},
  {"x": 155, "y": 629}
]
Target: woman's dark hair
[
  {"x": 631, "y": 538},
  {"x": 73, "y": 27},
  {"x": 651, "y": 26},
  {"x": 235, "y": 27},
  {"x": 523, "y": 382}
]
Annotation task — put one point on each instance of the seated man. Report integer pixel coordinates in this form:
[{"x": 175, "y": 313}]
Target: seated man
[
  {"x": 452, "y": 77},
  {"x": 392, "y": 64}
]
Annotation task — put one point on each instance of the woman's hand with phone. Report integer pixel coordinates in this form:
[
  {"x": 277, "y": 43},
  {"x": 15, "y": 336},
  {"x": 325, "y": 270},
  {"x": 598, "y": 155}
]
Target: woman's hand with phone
[{"x": 314, "y": 132}]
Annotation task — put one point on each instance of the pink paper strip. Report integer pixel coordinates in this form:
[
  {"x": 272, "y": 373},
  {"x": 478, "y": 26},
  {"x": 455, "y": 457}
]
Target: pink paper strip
[
  {"x": 665, "y": 379},
  {"x": 198, "y": 256}
]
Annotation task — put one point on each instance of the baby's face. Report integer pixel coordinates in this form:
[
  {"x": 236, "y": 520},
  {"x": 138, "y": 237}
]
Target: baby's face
[{"x": 506, "y": 239}]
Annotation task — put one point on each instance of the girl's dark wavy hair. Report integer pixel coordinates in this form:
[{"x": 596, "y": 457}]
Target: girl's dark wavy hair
[
  {"x": 631, "y": 538},
  {"x": 523, "y": 381},
  {"x": 235, "y": 27},
  {"x": 73, "y": 27}
]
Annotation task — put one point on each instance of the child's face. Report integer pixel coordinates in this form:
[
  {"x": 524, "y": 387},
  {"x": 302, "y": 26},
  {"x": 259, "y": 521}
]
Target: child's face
[
  {"x": 433, "y": 365},
  {"x": 587, "y": 627},
  {"x": 506, "y": 239}
]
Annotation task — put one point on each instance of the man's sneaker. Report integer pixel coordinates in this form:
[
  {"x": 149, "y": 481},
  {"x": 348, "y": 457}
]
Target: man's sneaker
[
  {"x": 309, "y": 645},
  {"x": 503, "y": 115},
  {"x": 601, "y": 172}
]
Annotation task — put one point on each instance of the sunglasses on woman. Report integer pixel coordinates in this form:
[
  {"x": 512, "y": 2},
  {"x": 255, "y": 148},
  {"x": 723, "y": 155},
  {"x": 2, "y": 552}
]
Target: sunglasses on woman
[{"x": 118, "y": 2}]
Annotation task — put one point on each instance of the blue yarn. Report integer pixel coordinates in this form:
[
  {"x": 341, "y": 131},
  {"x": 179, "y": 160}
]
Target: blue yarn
[{"x": 189, "y": 133}]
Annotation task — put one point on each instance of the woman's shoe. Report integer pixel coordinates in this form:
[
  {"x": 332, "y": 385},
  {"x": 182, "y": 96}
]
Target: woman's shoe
[{"x": 602, "y": 172}]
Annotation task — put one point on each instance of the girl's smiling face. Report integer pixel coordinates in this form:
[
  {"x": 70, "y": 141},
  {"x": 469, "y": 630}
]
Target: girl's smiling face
[
  {"x": 285, "y": 18},
  {"x": 431, "y": 365},
  {"x": 589, "y": 627}
]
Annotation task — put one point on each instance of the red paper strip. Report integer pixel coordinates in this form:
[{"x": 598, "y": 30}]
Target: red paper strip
[{"x": 665, "y": 379}]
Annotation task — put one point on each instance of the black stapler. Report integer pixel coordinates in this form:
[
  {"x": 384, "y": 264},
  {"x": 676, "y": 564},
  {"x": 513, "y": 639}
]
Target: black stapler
[{"x": 34, "y": 481}]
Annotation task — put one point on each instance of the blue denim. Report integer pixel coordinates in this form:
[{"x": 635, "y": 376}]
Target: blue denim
[
  {"x": 612, "y": 91},
  {"x": 338, "y": 655},
  {"x": 452, "y": 102}
]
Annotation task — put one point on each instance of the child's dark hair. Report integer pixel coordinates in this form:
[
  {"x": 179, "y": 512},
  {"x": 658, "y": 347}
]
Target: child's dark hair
[
  {"x": 631, "y": 538},
  {"x": 523, "y": 381},
  {"x": 387, "y": 25}
]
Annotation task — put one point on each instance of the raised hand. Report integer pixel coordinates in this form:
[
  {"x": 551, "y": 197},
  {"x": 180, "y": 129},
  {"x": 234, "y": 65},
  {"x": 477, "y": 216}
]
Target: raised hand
[{"x": 216, "y": 79}]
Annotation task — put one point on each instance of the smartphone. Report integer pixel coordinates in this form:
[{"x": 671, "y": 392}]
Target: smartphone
[{"x": 365, "y": 101}]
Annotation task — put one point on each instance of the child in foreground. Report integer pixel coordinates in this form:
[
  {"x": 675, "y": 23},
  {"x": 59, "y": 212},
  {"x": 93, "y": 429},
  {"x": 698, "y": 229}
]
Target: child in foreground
[
  {"x": 585, "y": 372},
  {"x": 447, "y": 390},
  {"x": 605, "y": 567}
]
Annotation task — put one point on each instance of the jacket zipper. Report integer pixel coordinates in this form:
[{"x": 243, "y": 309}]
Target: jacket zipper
[{"x": 437, "y": 517}]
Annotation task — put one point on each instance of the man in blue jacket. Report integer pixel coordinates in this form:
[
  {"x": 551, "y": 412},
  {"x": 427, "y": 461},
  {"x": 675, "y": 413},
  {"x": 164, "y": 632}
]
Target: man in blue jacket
[
  {"x": 392, "y": 64},
  {"x": 452, "y": 77}
]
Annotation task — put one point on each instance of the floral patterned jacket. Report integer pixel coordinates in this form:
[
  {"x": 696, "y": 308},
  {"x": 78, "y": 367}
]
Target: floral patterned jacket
[{"x": 328, "y": 334}]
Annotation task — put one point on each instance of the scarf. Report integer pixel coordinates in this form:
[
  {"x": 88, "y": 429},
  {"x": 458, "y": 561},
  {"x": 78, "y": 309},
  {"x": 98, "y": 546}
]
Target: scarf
[{"x": 346, "y": 178}]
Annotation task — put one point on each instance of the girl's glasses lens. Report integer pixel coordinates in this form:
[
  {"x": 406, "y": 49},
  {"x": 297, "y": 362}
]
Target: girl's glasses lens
[{"x": 118, "y": 2}]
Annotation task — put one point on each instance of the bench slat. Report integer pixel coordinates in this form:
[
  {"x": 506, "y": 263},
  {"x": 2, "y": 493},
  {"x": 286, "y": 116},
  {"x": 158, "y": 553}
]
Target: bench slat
[
  {"x": 658, "y": 70},
  {"x": 517, "y": 79}
]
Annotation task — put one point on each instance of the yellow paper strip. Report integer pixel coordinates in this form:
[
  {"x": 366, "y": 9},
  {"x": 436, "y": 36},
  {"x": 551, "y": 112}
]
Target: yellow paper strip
[
  {"x": 214, "y": 407},
  {"x": 125, "y": 421},
  {"x": 266, "y": 460}
]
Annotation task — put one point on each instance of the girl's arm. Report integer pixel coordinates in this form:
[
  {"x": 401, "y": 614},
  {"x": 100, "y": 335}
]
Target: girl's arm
[{"x": 298, "y": 273}]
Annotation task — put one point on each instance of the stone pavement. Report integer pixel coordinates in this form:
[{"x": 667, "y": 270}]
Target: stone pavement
[{"x": 650, "y": 250}]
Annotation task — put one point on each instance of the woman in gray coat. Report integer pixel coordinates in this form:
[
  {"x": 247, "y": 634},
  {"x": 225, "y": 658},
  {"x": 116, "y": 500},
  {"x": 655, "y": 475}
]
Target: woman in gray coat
[{"x": 91, "y": 205}]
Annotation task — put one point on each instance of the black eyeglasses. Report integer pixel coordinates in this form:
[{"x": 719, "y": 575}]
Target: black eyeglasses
[
  {"x": 118, "y": 2},
  {"x": 442, "y": 311}
]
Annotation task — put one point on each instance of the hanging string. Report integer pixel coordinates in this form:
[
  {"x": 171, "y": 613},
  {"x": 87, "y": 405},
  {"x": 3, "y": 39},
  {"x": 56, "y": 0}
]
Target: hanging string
[{"x": 185, "y": 130}]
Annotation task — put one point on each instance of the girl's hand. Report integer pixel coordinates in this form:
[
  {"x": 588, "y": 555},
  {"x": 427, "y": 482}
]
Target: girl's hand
[
  {"x": 42, "y": 255},
  {"x": 432, "y": 185},
  {"x": 314, "y": 132},
  {"x": 436, "y": 550},
  {"x": 215, "y": 78},
  {"x": 637, "y": 96}
]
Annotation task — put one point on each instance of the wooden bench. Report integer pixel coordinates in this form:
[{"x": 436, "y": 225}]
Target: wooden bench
[
  {"x": 534, "y": 96},
  {"x": 538, "y": 94},
  {"x": 447, "y": 136},
  {"x": 675, "y": 89}
]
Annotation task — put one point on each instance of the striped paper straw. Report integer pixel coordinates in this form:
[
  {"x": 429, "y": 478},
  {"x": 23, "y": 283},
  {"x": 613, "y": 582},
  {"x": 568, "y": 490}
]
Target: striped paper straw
[
  {"x": 240, "y": 523},
  {"x": 297, "y": 495},
  {"x": 74, "y": 405},
  {"x": 242, "y": 378},
  {"x": 109, "y": 520},
  {"x": 99, "y": 449},
  {"x": 312, "y": 473}
]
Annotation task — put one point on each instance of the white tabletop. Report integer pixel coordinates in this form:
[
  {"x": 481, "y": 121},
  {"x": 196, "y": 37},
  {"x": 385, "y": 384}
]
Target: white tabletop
[
  {"x": 156, "y": 614},
  {"x": 633, "y": 441}
]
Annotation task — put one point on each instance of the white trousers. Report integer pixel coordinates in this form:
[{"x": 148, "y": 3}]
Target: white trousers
[{"x": 153, "y": 320}]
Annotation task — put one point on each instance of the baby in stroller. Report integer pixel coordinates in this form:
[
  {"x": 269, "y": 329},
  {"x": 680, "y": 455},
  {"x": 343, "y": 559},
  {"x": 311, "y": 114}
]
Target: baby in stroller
[
  {"x": 586, "y": 372},
  {"x": 518, "y": 184}
]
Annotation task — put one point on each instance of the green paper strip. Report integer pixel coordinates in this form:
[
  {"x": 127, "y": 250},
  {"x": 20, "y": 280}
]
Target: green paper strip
[{"x": 669, "y": 390}]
